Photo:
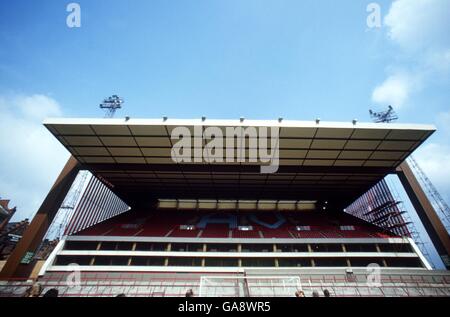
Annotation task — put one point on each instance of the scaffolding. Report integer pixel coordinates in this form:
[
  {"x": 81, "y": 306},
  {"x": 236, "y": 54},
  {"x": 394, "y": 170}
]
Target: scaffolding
[
  {"x": 65, "y": 212},
  {"x": 379, "y": 207},
  {"x": 338, "y": 283},
  {"x": 415, "y": 234},
  {"x": 439, "y": 204},
  {"x": 67, "y": 209},
  {"x": 249, "y": 286}
]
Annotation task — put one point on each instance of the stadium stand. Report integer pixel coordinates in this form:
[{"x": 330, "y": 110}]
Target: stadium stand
[{"x": 265, "y": 225}]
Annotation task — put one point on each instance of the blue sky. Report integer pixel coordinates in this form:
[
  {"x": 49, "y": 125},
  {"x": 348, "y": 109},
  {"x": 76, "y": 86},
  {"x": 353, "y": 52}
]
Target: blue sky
[{"x": 259, "y": 59}]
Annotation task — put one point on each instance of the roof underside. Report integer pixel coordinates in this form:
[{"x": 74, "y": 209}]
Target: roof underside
[{"x": 330, "y": 161}]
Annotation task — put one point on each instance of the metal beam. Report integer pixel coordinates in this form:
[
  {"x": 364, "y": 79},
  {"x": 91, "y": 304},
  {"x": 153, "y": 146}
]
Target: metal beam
[
  {"x": 217, "y": 168},
  {"x": 35, "y": 232},
  {"x": 425, "y": 210}
]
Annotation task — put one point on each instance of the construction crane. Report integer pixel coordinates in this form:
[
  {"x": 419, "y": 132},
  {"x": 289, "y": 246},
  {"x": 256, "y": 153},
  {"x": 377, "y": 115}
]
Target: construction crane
[{"x": 111, "y": 104}]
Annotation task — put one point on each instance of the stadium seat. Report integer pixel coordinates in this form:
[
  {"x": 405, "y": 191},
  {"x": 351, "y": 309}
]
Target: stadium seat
[{"x": 151, "y": 223}]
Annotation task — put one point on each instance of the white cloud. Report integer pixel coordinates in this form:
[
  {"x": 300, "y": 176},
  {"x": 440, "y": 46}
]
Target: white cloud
[
  {"x": 443, "y": 122},
  {"x": 419, "y": 24},
  {"x": 38, "y": 107},
  {"x": 438, "y": 61},
  {"x": 434, "y": 159},
  {"x": 420, "y": 29},
  {"x": 30, "y": 157},
  {"x": 395, "y": 90}
]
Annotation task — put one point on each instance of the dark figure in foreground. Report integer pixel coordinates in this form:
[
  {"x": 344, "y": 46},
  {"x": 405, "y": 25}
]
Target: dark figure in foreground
[
  {"x": 53, "y": 292},
  {"x": 299, "y": 294},
  {"x": 190, "y": 293}
]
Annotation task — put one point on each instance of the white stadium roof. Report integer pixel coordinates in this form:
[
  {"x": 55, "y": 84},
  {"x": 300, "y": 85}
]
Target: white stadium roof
[{"x": 341, "y": 159}]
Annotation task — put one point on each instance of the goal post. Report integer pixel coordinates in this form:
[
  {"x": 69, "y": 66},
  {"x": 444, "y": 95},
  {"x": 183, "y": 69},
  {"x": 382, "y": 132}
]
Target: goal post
[{"x": 249, "y": 286}]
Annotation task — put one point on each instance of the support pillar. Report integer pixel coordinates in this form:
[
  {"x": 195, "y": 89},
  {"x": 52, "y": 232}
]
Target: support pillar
[
  {"x": 38, "y": 227},
  {"x": 425, "y": 210}
]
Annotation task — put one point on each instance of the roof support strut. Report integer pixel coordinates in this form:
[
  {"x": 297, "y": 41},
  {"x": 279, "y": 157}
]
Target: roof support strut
[
  {"x": 35, "y": 232},
  {"x": 433, "y": 225}
]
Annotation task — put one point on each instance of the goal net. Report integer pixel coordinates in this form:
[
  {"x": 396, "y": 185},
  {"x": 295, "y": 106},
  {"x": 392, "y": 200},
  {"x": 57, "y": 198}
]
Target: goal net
[{"x": 249, "y": 286}]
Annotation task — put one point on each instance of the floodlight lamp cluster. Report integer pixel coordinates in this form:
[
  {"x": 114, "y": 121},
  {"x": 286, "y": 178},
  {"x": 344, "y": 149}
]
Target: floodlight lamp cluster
[{"x": 111, "y": 104}]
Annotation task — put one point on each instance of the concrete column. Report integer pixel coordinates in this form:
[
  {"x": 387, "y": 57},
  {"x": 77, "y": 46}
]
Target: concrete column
[
  {"x": 38, "y": 227},
  {"x": 425, "y": 210}
]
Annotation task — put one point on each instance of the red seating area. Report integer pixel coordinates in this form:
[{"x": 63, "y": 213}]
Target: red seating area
[
  {"x": 246, "y": 234},
  {"x": 356, "y": 234},
  {"x": 167, "y": 224},
  {"x": 97, "y": 230},
  {"x": 118, "y": 231},
  {"x": 332, "y": 234},
  {"x": 276, "y": 233},
  {"x": 215, "y": 231},
  {"x": 307, "y": 234},
  {"x": 177, "y": 232},
  {"x": 150, "y": 231}
]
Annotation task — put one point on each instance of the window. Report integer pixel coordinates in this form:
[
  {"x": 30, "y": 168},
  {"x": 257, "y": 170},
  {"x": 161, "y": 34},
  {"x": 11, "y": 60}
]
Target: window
[
  {"x": 107, "y": 245},
  {"x": 185, "y": 261},
  {"x": 151, "y": 246},
  {"x": 326, "y": 247},
  {"x": 403, "y": 262},
  {"x": 360, "y": 247},
  {"x": 364, "y": 262},
  {"x": 112, "y": 246},
  {"x": 152, "y": 261},
  {"x": 221, "y": 247},
  {"x": 81, "y": 245},
  {"x": 330, "y": 262},
  {"x": 257, "y": 247},
  {"x": 119, "y": 260},
  {"x": 139, "y": 261},
  {"x": 147, "y": 261},
  {"x": 395, "y": 247},
  {"x": 124, "y": 246},
  {"x": 69, "y": 259},
  {"x": 102, "y": 260},
  {"x": 258, "y": 262},
  {"x": 221, "y": 262},
  {"x": 292, "y": 248},
  {"x": 294, "y": 262},
  {"x": 187, "y": 247}
]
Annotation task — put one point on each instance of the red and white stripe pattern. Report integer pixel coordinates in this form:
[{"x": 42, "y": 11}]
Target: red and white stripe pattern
[{"x": 98, "y": 203}]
